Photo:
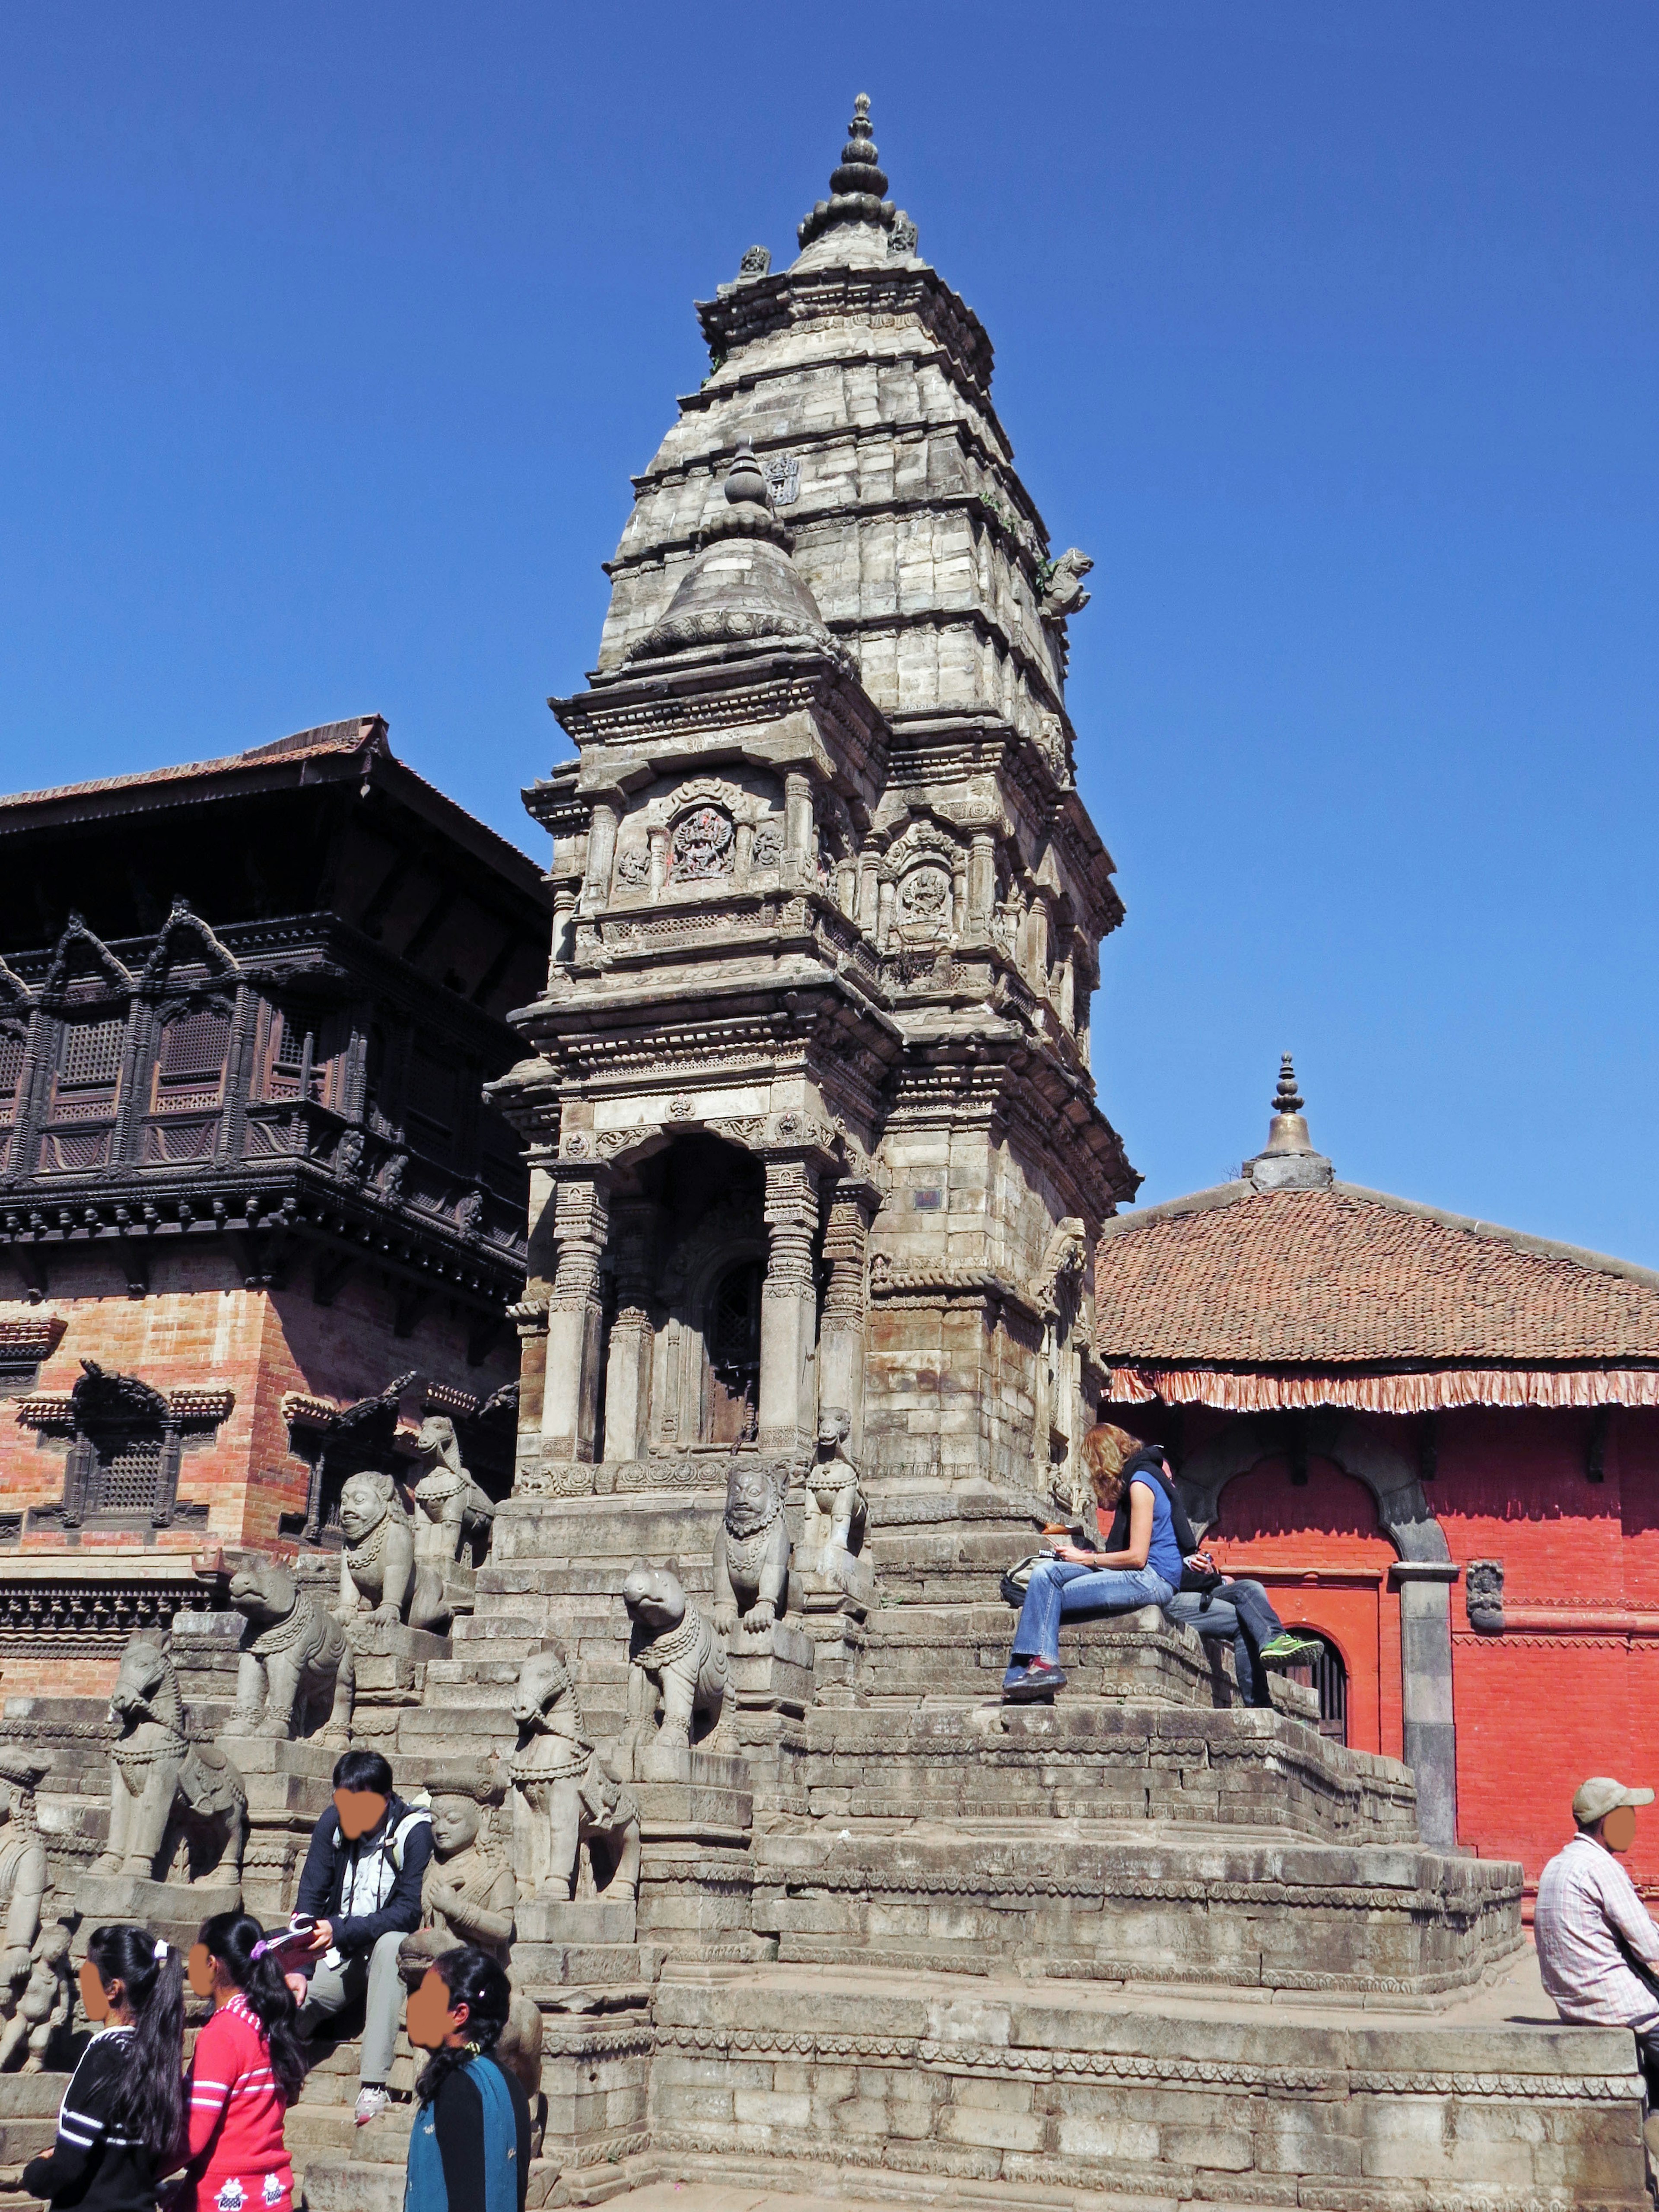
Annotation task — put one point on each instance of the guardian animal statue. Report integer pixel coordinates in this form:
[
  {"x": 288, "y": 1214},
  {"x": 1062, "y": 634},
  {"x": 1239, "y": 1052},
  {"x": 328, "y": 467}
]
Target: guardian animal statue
[
  {"x": 165, "y": 1791},
  {"x": 45, "y": 2006},
  {"x": 380, "y": 1582},
  {"x": 563, "y": 1795},
  {"x": 1062, "y": 590},
  {"x": 751, "y": 1546},
  {"x": 456, "y": 1516},
  {"x": 291, "y": 1651},
  {"x": 835, "y": 1519},
  {"x": 673, "y": 1651}
]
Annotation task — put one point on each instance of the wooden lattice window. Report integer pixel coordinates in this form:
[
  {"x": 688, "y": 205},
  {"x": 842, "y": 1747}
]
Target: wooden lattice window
[
  {"x": 13, "y": 1051},
  {"x": 432, "y": 1095},
  {"x": 189, "y": 1072}
]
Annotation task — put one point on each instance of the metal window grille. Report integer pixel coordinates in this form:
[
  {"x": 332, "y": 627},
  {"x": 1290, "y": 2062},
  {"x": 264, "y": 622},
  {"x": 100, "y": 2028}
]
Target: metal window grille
[{"x": 1330, "y": 1679}]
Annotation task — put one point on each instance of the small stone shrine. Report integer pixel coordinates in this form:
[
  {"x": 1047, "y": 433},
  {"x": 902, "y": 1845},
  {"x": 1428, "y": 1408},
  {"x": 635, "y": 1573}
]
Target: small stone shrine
[{"x": 708, "y": 1704}]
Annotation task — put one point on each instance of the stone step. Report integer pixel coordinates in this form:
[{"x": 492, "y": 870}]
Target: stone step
[{"x": 961, "y": 1649}]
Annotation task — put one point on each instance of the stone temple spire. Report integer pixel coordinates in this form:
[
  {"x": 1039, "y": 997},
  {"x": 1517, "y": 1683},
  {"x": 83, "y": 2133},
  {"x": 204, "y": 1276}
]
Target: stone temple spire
[
  {"x": 857, "y": 185},
  {"x": 1289, "y": 1161}
]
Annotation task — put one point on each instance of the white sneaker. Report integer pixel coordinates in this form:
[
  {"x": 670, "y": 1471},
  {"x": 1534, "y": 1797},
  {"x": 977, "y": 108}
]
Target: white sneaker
[{"x": 372, "y": 2101}]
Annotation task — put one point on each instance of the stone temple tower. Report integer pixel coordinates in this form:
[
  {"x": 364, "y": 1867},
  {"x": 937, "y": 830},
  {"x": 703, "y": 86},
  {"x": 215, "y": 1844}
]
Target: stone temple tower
[{"x": 812, "y": 1127}]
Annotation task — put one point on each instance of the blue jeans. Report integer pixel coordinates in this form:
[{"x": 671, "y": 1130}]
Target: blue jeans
[
  {"x": 1242, "y": 1612},
  {"x": 1059, "y": 1586}
]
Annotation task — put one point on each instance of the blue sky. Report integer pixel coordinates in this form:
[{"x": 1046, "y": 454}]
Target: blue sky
[{"x": 332, "y": 335}]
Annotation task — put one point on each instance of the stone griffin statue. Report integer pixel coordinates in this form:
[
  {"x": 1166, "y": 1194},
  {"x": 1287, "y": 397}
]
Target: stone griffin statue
[
  {"x": 673, "y": 1650},
  {"x": 23, "y": 1876},
  {"x": 291, "y": 1649},
  {"x": 45, "y": 2006},
  {"x": 563, "y": 1798},
  {"x": 456, "y": 1516},
  {"x": 468, "y": 1896},
  {"x": 380, "y": 1582},
  {"x": 751, "y": 1546},
  {"x": 1062, "y": 592},
  {"x": 834, "y": 1527},
  {"x": 165, "y": 1791}
]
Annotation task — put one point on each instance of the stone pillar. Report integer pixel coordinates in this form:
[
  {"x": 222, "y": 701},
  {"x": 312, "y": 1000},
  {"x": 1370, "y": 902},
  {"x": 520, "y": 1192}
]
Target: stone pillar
[
  {"x": 1426, "y": 1676},
  {"x": 570, "y": 1391},
  {"x": 840, "y": 1352},
  {"x": 601, "y": 854},
  {"x": 867, "y": 894},
  {"x": 887, "y": 898},
  {"x": 633, "y": 1337},
  {"x": 529, "y": 1317},
  {"x": 564, "y": 923},
  {"x": 982, "y": 882},
  {"x": 659, "y": 841},
  {"x": 797, "y": 824},
  {"x": 788, "y": 1306}
]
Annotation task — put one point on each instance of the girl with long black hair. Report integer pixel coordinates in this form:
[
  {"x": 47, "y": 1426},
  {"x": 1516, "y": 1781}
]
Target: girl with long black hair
[
  {"x": 121, "y": 2114},
  {"x": 470, "y": 2150},
  {"x": 247, "y": 2070}
]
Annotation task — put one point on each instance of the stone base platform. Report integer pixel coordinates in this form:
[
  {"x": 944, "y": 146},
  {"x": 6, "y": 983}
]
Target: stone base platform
[
  {"x": 1104, "y": 1903},
  {"x": 872, "y": 2085},
  {"x": 174, "y": 1909}
]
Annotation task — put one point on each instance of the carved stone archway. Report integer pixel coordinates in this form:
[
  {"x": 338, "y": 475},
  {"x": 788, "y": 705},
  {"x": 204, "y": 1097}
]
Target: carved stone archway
[{"x": 1423, "y": 1575}]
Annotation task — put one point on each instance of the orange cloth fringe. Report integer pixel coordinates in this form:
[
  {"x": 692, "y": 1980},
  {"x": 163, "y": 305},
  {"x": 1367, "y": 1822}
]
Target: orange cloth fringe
[{"x": 1437, "y": 1391}]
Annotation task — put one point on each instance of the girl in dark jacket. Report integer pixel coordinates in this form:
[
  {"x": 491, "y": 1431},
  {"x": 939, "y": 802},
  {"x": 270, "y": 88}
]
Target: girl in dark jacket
[
  {"x": 121, "y": 2114},
  {"x": 469, "y": 2149}
]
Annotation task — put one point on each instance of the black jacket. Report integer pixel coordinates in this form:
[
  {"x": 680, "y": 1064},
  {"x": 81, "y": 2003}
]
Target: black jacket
[
  {"x": 457, "y": 2109},
  {"x": 94, "y": 2164},
  {"x": 331, "y": 1859}
]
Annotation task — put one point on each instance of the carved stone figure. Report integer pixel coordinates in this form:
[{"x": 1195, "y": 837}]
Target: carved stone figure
[
  {"x": 1483, "y": 1594},
  {"x": 833, "y": 1529},
  {"x": 23, "y": 1874},
  {"x": 455, "y": 1514},
  {"x": 756, "y": 261},
  {"x": 751, "y": 1546},
  {"x": 291, "y": 1649},
  {"x": 44, "y": 2008},
  {"x": 165, "y": 1791},
  {"x": 380, "y": 1581},
  {"x": 673, "y": 1651},
  {"x": 1062, "y": 590},
  {"x": 563, "y": 1795}
]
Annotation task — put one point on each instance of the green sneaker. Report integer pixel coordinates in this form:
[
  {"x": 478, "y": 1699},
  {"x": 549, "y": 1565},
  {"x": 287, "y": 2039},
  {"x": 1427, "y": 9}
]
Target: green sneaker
[{"x": 1286, "y": 1646}]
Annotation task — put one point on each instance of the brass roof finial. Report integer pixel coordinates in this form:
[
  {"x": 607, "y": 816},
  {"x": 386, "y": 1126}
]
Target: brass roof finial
[
  {"x": 1288, "y": 1160},
  {"x": 1287, "y": 1099}
]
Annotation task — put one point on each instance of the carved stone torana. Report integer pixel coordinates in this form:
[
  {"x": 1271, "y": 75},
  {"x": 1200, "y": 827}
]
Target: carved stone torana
[
  {"x": 168, "y": 1795},
  {"x": 673, "y": 1654},
  {"x": 563, "y": 1798},
  {"x": 751, "y": 1546},
  {"x": 455, "y": 1515},
  {"x": 291, "y": 1649}
]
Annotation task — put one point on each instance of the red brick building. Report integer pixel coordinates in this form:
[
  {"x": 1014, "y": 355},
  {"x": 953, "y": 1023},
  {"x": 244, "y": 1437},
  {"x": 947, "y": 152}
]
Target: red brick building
[
  {"x": 247, "y": 1010},
  {"x": 1438, "y": 1443}
]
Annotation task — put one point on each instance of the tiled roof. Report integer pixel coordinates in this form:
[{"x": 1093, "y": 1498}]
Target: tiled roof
[{"x": 1335, "y": 1275}]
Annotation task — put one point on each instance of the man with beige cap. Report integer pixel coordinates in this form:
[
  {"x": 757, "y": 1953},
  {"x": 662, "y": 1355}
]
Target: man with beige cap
[{"x": 1594, "y": 1933}]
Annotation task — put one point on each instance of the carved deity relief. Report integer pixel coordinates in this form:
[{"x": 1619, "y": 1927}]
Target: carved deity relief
[{"x": 703, "y": 845}]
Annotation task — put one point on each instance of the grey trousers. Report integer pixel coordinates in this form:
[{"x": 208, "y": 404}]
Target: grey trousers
[{"x": 333, "y": 1988}]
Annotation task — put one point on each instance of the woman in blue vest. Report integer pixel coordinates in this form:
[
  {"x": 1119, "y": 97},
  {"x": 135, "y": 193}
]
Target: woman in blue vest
[{"x": 470, "y": 2150}]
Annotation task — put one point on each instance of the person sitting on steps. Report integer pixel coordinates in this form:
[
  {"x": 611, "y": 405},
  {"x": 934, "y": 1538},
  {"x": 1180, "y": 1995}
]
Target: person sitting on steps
[
  {"x": 361, "y": 1882},
  {"x": 1145, "y": 1569}
]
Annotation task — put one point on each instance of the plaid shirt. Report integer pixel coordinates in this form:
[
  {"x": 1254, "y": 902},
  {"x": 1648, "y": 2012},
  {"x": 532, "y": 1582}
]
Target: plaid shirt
[{"x": 1584, "y": 1896}]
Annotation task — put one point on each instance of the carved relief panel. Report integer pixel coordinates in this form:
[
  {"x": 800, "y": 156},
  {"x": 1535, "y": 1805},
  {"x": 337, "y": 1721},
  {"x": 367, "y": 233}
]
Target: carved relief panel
[{"x": 698, "y": 836}]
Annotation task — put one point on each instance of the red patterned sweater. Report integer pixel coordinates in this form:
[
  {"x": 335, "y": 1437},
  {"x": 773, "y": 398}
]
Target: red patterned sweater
[{"x": 238, "y": 2162}]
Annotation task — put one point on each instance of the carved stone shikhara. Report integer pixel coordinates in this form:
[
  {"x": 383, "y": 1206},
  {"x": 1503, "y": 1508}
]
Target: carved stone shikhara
[
  {"x": 673, "y": 1654},
  {"x": 165, "y": 1792},
  {"x": 751, "y": 1546},
  {"x": 563, "y": 1797},
  {"x": 292, "y": 1649}
]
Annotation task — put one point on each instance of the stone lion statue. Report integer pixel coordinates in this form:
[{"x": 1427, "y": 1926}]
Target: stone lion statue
[
  {"x": 751, "y": 1546},
  {"x": 291, "y": 1649},
  {"x": 834, "y": 1524},
  {"x": 456, "y": 1516},
  {"x": 563, "y": 1798},
  {"x": 1062, "y": 590},
  {"x": 165, "y": 1792},
  {"x": 673, "y": 1651}
]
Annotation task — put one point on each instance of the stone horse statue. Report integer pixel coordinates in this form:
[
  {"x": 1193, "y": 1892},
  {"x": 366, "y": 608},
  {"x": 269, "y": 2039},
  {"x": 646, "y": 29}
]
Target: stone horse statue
[{"x": 165, "y": 1791}]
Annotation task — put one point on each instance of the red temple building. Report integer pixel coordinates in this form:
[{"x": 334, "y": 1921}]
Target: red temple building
[{"x": 1436, "y": 1442}]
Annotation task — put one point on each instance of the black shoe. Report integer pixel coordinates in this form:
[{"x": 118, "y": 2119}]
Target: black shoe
[{"x": 1039, "y": 1681}]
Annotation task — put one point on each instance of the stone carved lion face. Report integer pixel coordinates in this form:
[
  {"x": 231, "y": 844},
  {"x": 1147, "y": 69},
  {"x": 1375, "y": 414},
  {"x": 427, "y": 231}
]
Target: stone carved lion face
[
  {"x": 751, "y": 1492},
  {"x": 542, "y": 1679},
  {"x": 365, "y": 1501},
  {"x": 653, "y": 1595},
  {"x": 264, "y": 1589}
]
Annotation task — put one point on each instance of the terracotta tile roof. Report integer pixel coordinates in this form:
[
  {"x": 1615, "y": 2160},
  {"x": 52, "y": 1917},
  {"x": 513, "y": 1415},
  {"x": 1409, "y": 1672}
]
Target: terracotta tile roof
[{"x": 1239, "y": 1277}]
